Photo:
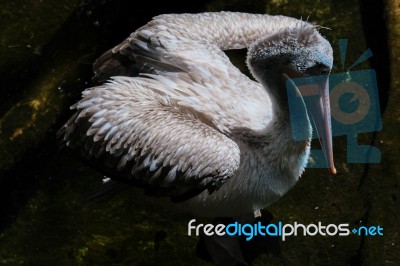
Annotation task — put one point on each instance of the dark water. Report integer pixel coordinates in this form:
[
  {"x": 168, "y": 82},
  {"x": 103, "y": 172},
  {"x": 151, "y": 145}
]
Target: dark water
[{"x": 43, "y": 220}]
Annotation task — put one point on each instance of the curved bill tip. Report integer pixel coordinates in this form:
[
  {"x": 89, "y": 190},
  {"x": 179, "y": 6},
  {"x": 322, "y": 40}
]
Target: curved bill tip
[
  {"x": 318, "y": 107},
  {"x": 332, "y": 170}
]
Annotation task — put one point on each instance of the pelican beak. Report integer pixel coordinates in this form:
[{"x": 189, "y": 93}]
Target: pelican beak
[
  {"x": 315, "y": 95},
  {"x": 319, "y": 109}
]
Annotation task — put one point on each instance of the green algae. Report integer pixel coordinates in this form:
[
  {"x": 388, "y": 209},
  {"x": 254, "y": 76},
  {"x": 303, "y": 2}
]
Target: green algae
[
  {"x": 26, "y": 27},
  {"x": 29, "y": 120}
]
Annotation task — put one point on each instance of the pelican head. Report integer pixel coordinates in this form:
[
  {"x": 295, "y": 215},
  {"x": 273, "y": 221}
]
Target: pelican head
[{"x": 294, "y": 53}]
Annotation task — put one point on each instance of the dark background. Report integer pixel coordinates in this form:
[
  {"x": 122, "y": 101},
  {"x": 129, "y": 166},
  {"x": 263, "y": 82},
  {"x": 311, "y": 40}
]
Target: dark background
[{"x": 47, "y": 50}]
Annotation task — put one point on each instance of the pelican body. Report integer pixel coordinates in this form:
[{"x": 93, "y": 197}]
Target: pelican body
[{"x": 172, "y": 112}]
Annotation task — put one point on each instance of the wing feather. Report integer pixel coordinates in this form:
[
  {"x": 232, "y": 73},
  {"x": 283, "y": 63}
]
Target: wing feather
[
  {"x": 203, "y": 75},
  {"x": 139, "y": 131}
]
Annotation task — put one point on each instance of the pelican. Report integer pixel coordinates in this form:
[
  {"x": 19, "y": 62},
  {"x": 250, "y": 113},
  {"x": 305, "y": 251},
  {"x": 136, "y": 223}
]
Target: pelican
[{"x": 171, "y": 112}]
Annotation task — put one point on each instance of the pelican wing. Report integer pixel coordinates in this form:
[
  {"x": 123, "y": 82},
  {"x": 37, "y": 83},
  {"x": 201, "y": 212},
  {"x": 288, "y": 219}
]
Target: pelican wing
[
  {"x": 163, "y": 41},
  {"x": 160, "y": 46},
  {"x": 148, "y": 137},
  {"x": 174, "y": 48}
]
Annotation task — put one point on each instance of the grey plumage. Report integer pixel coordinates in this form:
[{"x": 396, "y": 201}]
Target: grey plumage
[{"x": 175, "y": 113}]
